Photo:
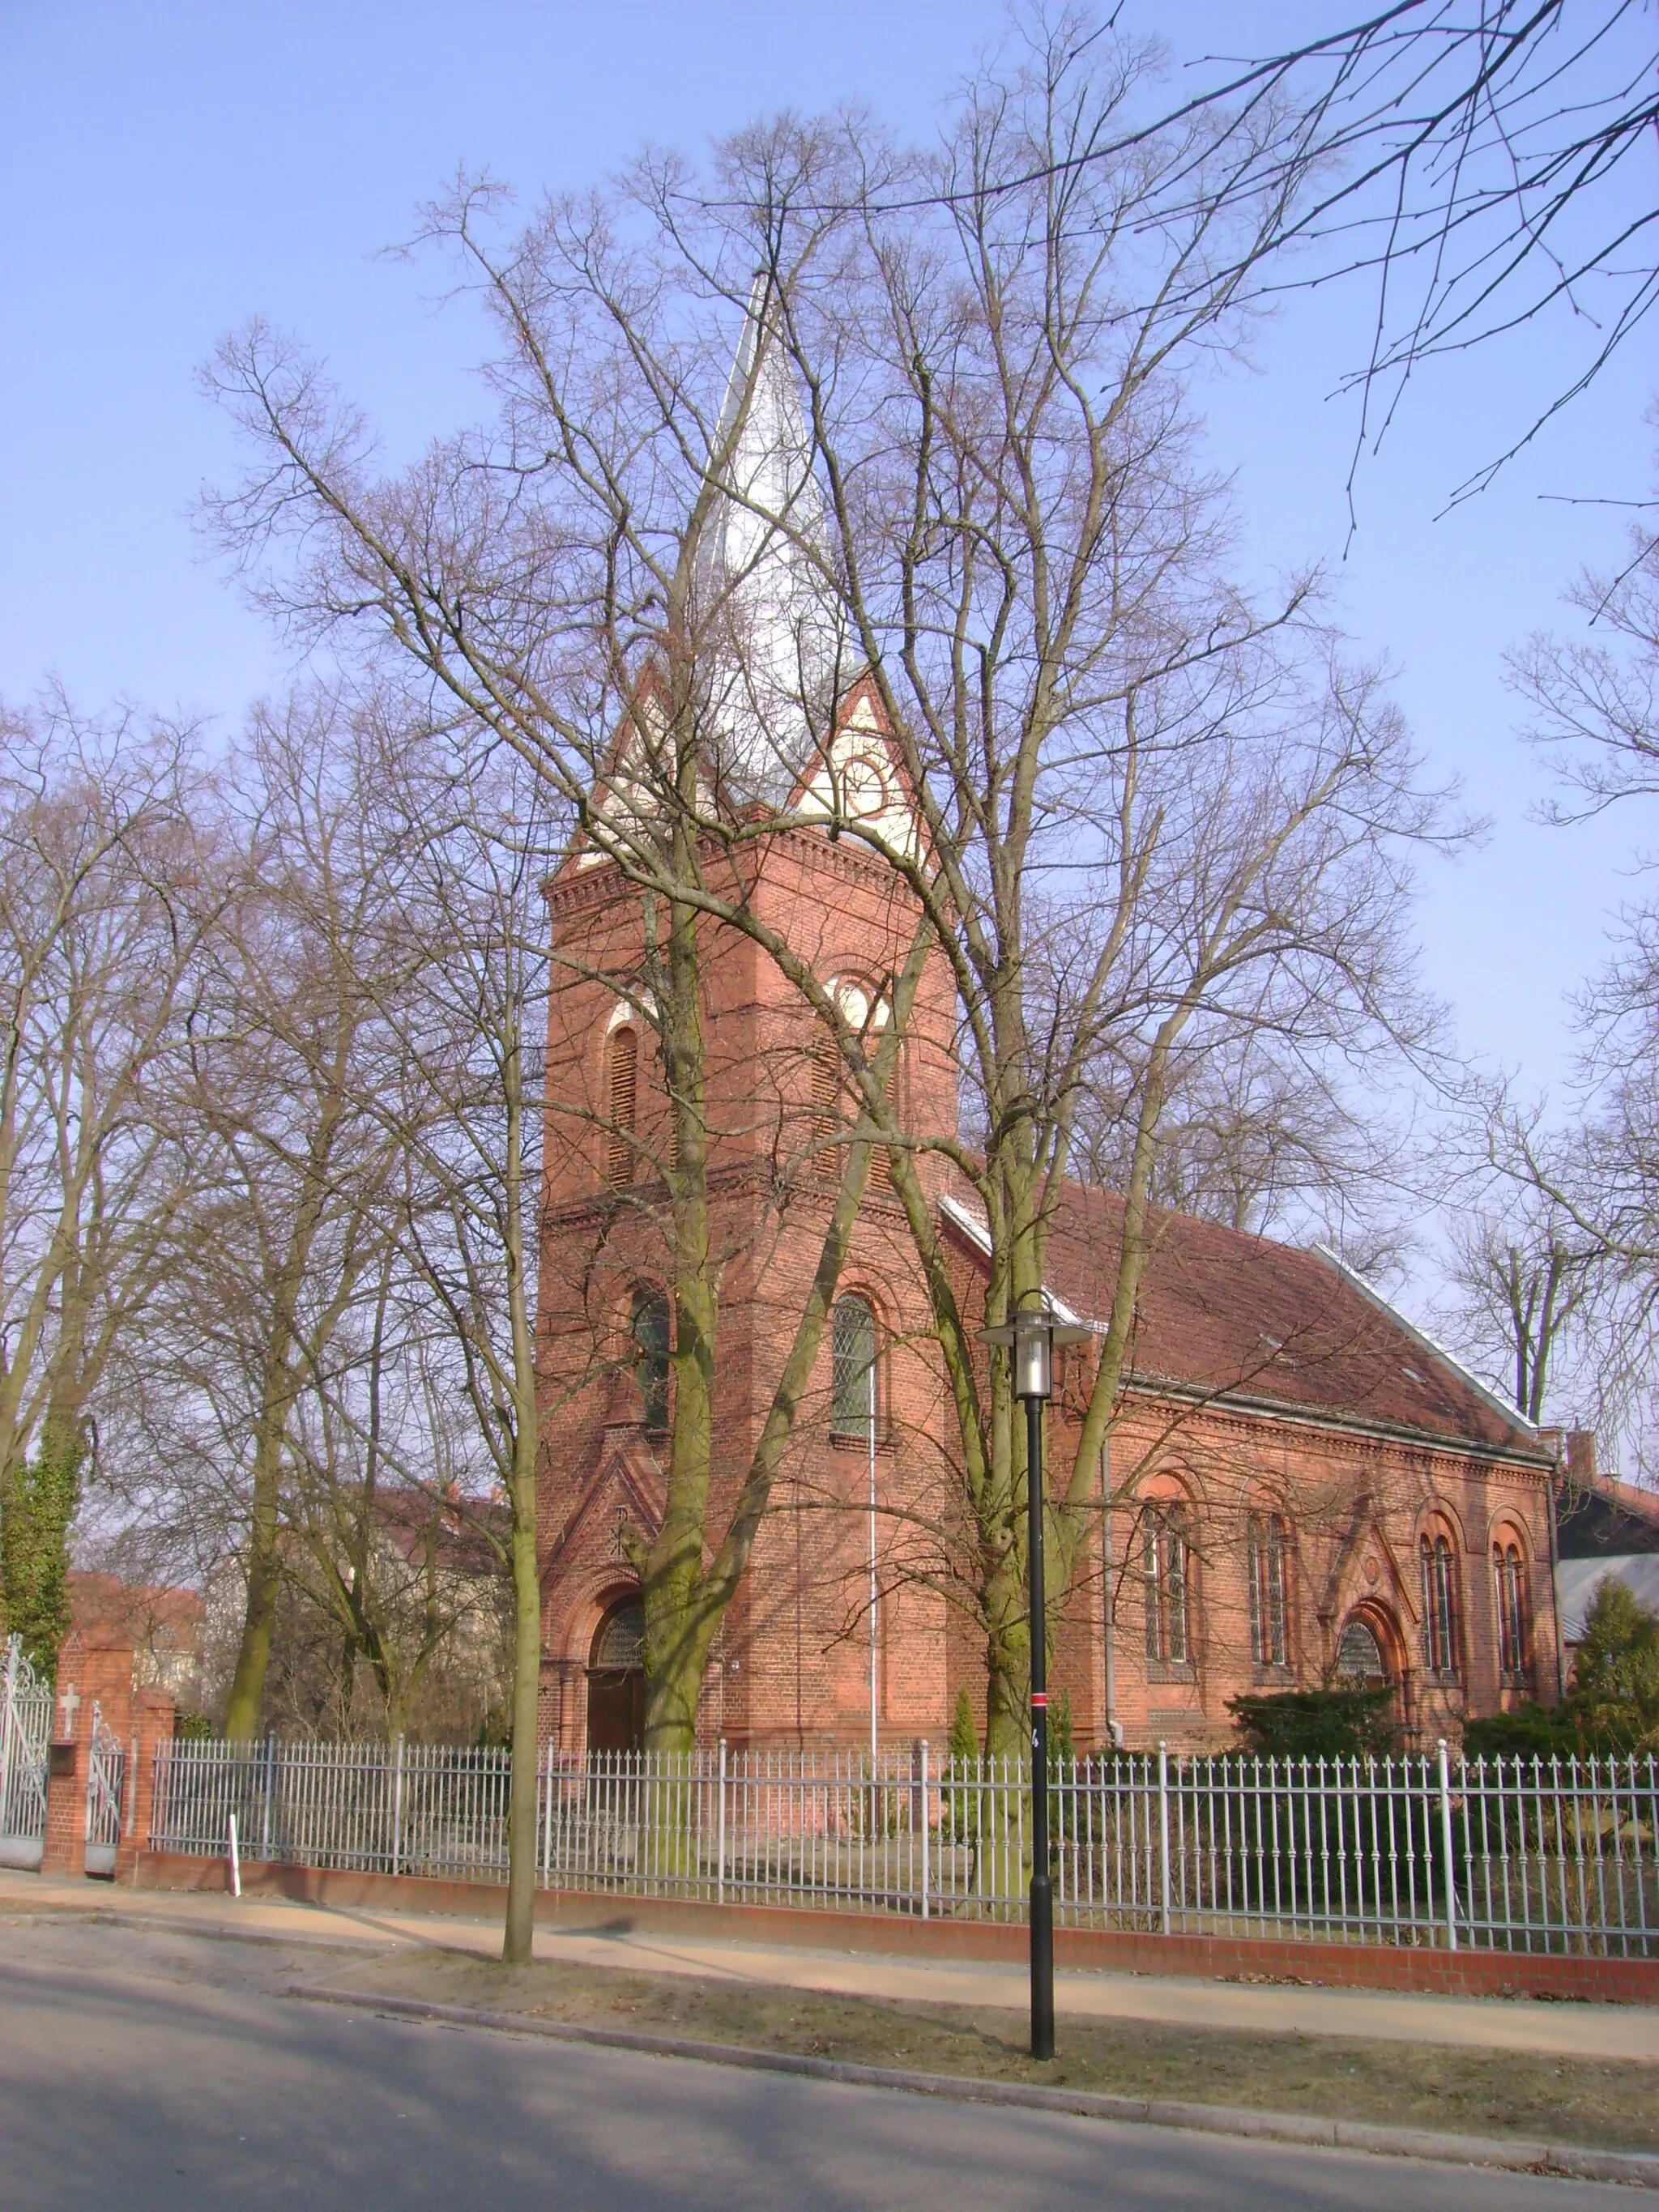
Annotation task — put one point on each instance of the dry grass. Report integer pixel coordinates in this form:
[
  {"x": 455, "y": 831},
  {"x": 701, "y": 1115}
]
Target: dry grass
[{"x": 1605, "y": 2103}]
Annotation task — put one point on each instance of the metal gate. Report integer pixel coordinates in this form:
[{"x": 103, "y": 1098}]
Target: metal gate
[
  {"x": 106, "y": 1771},
  {"x": 25, "y": 1735}
]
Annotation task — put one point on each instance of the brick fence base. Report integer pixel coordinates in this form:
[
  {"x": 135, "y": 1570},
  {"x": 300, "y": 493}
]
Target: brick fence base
[{"x": 1214, "y": 1958}]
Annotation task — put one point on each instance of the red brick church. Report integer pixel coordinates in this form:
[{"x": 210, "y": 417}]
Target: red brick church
[{"x": 1304, "y": 1488}]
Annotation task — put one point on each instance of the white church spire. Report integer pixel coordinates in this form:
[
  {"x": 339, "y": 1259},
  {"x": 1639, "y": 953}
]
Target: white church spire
[{"x": 768, "y": 622}]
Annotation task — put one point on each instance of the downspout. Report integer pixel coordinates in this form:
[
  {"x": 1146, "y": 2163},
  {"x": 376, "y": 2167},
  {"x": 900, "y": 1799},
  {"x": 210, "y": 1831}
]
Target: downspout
[
  {"x": 1555, "y": 1591},
  {"x": 1113, "y": 1726}
]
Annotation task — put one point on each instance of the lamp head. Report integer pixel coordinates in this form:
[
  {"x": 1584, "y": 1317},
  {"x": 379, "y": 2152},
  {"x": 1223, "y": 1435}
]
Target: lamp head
[
  {"x": 1031, "y": 1336},
  {"x": 1034, "y": 1363}
]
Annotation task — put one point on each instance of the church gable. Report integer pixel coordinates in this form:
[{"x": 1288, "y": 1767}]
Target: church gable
[
  {"x": 862, "y": 778},
  {"x": 626, "y": 1492}
]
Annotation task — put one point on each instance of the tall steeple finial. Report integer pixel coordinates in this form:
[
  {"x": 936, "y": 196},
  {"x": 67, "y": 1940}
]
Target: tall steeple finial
[{"x": 767, "y": 621}]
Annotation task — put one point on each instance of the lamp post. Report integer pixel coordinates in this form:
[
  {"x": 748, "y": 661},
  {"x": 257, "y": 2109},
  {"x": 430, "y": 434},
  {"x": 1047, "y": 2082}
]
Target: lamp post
[{"x": 1031, "y": 1336}]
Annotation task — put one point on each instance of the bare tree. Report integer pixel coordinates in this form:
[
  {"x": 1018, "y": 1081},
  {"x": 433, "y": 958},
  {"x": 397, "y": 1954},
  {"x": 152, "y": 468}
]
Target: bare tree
[
  {"x": 1140, "y": 818},
  {"x": 1483, "y": 163},
  {"x": 591, "y": 609},
  {"x": 1593, "y": 702},
  {"x": 1593, "y": 699},
  {"x": 1155, "y": 823},
  {"x": 1257, "y": 1138},
  {"x": 289, "y": 1237},
  {"x": 465, "y": 1115},
  {"x": 106, "y": 889},
  {"x": 1525, "y": 1276}
]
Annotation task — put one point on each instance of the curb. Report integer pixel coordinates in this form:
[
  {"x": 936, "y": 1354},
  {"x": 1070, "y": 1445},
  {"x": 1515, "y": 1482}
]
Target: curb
[{"x": 1562, "y": 2161}]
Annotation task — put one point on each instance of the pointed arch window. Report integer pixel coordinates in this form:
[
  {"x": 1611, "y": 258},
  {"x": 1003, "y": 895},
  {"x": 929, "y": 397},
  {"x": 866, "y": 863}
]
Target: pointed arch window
[
  {"x": 624, "y": 1088},
  {"x": 1265, "y": 1563},
  {"x": 1440, "y": 1621},
  {"x": 853, "y": 1368},
  {"x": 1509, "y": 1568},
  {"x": 835, "y": 1102},
  {"x": 1167, "y": 1566},
  {"x": 649, "y": 1326}
]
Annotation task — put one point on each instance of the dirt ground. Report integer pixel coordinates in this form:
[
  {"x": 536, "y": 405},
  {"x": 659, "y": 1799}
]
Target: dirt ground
[{"x": 1602, "y": 2103}]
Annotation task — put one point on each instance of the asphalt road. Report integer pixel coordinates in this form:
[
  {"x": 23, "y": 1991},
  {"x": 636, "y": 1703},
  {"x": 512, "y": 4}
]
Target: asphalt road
[{"x": 160, "y": 2076}]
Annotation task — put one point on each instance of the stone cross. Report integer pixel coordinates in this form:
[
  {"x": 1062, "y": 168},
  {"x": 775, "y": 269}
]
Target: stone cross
[{"x": 70, "y": 1700}]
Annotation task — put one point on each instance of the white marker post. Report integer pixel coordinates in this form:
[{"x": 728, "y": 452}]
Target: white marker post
[{"x": 235, "y": 1862}]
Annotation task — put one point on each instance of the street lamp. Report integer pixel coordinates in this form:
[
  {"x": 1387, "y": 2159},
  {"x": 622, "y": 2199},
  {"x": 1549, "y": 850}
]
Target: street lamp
[{"x": 1031, "y": 1336}]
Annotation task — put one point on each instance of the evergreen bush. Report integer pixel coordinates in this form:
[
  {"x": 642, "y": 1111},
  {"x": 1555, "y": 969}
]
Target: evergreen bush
[
  {"x": 1329, "y": 1723},
  {"x": 961, "y": 1806}
]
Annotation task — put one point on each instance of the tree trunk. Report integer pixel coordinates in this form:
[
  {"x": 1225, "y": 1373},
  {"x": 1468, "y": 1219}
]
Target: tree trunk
[
  {"x": 248, "y": 1688},
  {"x": 526, "y": 1689}
]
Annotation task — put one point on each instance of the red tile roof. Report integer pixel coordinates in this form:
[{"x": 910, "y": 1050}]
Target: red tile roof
[
  {"x": 1224, "y": 1312},
  {"x": 150, "y": 1613}
]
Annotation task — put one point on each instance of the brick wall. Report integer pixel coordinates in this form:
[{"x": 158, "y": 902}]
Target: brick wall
[{"x": 791, "y": 1666}]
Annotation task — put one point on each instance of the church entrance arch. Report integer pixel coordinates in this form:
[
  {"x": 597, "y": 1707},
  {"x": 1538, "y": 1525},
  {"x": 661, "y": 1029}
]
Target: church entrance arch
[
  {"x": 1369, "y": 1656},
  {"x": 1362, "y": 1653},
  {"x": 616, "y": 1678}
]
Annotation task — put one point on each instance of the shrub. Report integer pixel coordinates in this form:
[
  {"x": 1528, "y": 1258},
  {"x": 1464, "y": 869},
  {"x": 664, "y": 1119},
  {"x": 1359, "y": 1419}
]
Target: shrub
[
  {"x": 1615, "y": 1690},
  {"x": 964, "y": 1736},
  {"x": 1315, "y": 1724},
  {"x": 1528, "y": 1732},
  {"x": 1062, "y": 1748},
  {"x": 1614, "y": 1706},
  {"x": 961, "y": 1806}
]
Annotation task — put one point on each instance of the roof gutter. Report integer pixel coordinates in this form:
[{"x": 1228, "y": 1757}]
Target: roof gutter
[
  {"x": 1298, "y": 1415},
  {"x": 979, "y": 1235},
  {"x": 1533, "y": 1453},
  {"x": 1369, "y": 1290}
]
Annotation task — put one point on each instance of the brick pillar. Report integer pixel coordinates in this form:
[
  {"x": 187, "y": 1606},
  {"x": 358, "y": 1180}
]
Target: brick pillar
[
  {"x": 93, "y": 1668},
  {"x": 152, "y": 1726},
  {"x": 64, "y": 1850}
]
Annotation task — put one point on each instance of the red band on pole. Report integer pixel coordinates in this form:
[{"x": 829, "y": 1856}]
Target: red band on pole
[{"x": 1039, "y": 1698}]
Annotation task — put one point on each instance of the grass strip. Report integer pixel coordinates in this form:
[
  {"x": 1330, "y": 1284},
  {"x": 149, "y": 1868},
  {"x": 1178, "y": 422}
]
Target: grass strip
[{"x": 1608, "y": 2104}]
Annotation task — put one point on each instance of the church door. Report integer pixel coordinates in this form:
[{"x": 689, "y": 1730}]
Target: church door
[{"x": 615, "y": 1681}]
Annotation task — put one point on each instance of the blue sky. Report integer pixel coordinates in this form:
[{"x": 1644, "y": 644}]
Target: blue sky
[{"x": 169, "y": 170}]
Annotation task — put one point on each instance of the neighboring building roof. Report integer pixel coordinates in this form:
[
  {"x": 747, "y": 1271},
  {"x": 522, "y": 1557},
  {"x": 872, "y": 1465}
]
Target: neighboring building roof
[
  {"x": 1577, "y": 1581},
  {"x": 153, "y": 1614},
  {"x": 405, "y": 1514},
  {"x": 1605, "y": 1519},
  {"x": 1221, "y": 1312}
]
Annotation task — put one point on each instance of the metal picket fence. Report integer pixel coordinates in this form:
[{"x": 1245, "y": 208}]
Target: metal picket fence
[
  {"x": 1534, "y": 1856},
  {"x": 106, "y": 1773},
  {"x": 26, "y": 1704}
]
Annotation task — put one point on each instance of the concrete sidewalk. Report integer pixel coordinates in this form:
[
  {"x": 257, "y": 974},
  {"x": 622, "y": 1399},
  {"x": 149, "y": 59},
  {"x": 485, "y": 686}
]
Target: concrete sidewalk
[{"x": 1585, "y": 2031}]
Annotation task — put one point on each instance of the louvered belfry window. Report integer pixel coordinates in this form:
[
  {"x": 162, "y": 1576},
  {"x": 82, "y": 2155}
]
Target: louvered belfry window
[
  {"x": 881, "y": 1160},
  {"x": 830, "y": 1095},
  {"x": 826, "y": 1086},
  {"x": 625, "y": 1102}
]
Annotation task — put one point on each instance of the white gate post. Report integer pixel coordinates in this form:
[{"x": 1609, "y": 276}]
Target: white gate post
[
  {"x": 270, "y": 1784},
  {"x": 925, "y": 1869},
  {"x": 1164, "y": 1826},
  {"x": 719, "y": 1824},
  {"x": 1446, "y": 1848},
  {"x": 398, "y": 1807},
  {"x": 14, "y": 1645}
]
